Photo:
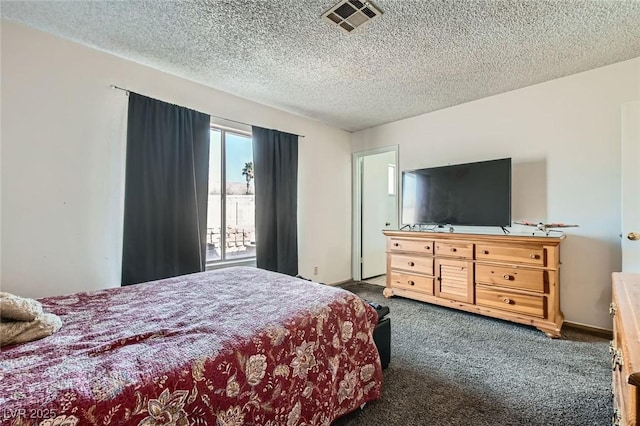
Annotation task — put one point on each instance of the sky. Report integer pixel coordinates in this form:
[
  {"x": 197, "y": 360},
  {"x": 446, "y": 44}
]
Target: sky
[{"x": 239, "y": 152}]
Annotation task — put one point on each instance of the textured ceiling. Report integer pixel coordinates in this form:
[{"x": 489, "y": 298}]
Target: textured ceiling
[{"x": 418, "y": 57}]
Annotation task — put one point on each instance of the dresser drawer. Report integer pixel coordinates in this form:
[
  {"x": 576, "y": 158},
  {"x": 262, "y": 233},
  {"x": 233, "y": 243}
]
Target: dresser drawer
[
  {"x": 412, "y": 282},
  {"x": 619, "y": 404},
  {"x": 513, "y": 277},
  {"x": 533, "y": 255},
  {"x": 416, "y": 246},
  {"x": 626, "y": 396},
  {"x": 532, "y": 305},
  {"x": 417, "y": 264},
  {"x": 625, "y": 360},
  {"x": 454, "y": 249}
]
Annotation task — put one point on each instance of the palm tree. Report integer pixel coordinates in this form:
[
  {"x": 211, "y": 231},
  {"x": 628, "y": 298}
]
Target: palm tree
[{"x": 247, "y": 172}]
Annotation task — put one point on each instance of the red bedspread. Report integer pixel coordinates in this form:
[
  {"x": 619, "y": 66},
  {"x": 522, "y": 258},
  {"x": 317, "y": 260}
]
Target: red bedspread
[{"x": 237, "y": 346}]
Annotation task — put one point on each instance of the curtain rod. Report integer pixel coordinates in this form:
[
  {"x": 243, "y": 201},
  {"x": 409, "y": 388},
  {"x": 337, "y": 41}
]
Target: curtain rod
[{"x": 127, "y": 91}]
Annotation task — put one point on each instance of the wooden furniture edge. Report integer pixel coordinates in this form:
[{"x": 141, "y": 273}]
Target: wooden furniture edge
[
  {"x": 626, "y": 308},
  {"x": 548, "y": 240}
]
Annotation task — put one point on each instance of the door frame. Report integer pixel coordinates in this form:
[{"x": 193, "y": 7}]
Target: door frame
[
  {"x": 357, "y": 159},
  {"x": 629, "y": 178}
]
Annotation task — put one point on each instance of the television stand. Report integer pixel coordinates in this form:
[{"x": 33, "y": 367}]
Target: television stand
[
  {"x": 505, "y": 230},
  {"x": 511, "y": 277}
]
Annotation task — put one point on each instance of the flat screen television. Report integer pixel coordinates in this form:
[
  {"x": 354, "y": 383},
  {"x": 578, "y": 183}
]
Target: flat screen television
[{"x": 471, "y": 194}]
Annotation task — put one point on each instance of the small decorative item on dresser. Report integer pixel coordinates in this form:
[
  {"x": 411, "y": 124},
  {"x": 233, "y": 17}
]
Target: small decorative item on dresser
[
  {"x": 625, "y": 348},
  {"x": 546, "y": 227}
]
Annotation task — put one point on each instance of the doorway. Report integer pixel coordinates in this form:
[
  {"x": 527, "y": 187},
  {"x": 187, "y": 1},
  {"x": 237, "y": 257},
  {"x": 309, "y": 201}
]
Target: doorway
[
  {"x": 375, "y": 207},
  {"x": 630, "y": 187}
]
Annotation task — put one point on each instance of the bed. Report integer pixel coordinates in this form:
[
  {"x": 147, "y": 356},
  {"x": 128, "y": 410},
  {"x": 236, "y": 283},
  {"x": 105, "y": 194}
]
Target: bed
[{"x": 236, "y": 346}]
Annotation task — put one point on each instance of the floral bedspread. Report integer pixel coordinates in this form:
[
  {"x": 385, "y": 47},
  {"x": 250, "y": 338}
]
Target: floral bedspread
[{"x": 237, "y": 346}]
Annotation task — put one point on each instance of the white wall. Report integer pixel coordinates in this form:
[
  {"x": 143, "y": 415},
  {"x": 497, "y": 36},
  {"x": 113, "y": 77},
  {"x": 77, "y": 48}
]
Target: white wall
[
  {"x": 564, "y": 139},
  {"x": 63, "y": 144}
]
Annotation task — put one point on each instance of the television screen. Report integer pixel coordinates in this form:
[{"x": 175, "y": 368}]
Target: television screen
[{"x": 473, "y": 194}]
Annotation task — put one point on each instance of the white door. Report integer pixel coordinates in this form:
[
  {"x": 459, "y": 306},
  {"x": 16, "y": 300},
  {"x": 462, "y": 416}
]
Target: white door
[
  {"x": 379, "y": 210},
  {"x": 631, "y": 187}
]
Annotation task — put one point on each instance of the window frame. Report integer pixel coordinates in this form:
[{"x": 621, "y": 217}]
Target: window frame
[{"x": 223, "y": 261}]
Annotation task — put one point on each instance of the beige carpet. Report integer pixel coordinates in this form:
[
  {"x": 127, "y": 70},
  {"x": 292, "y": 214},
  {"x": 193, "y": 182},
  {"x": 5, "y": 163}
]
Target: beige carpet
[{"x": 454, "y": 368}]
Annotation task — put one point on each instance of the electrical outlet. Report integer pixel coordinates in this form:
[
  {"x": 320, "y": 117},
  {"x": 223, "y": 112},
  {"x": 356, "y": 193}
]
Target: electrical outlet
[{"x": 315, "y": 270}]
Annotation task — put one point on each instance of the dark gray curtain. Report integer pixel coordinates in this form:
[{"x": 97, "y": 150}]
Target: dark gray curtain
[
  {"x": 275, "y": 167},
  {"x": 166, "y": 187}
]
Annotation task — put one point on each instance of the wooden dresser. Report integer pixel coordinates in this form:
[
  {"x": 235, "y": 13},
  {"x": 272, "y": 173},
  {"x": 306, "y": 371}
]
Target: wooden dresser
[
  {"x": 515, "y": 278},
  {"x": 625, "y": 347}
]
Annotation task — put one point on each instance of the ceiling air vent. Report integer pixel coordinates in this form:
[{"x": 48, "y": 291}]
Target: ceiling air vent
[{"x": 350, "y": 14}]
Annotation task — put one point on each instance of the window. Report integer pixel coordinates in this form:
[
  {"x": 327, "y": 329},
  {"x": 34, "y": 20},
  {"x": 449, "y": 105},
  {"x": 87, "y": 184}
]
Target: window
[{"x": 231, "y": 204}]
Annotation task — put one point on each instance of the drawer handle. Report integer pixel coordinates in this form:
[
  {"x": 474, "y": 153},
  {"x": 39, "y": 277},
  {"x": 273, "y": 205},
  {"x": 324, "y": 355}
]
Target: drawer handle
[
  {"x": 617, "y": 417},
  {"x": 396, "y": 244},
  {"x": 616, "y": 360},
  {"x": 453, "y": 249},
  {"x": 411, "y": 264},
  {"x": 507, "y": 277},
  {"x": 485, "y": 251},
  {"x": 534, "y": 256},
  {"x": 412, "y": 283},
  {"x": 427, "y": 247},
  {"x": 506, "y": 300},
  {"x": 612, "y": 309}
]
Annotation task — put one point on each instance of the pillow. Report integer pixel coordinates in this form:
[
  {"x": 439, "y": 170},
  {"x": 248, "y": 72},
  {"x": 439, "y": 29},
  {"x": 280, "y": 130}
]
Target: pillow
[
  {"x": 19, "y": 308},
  {"x": 13, "y": 332}
]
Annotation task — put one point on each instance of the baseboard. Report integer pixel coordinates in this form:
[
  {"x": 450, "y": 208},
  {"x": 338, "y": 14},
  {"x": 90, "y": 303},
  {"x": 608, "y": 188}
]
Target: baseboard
[
  {"x": 351, "y": 281},
  {"x": 378, "y": 284},
  {"x": 589, "y": 329},
  {"x": 339, "y": 283}
]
